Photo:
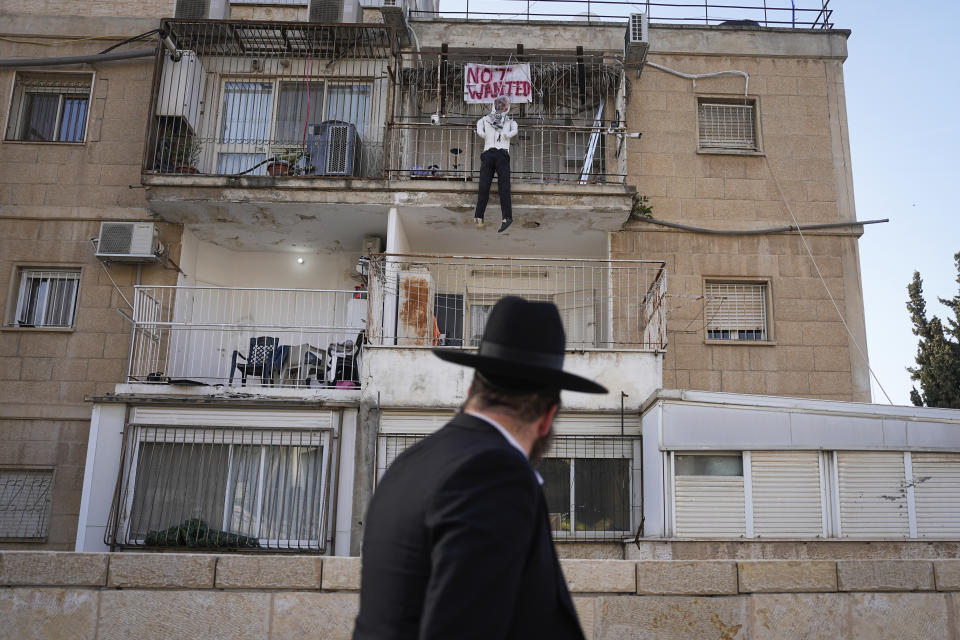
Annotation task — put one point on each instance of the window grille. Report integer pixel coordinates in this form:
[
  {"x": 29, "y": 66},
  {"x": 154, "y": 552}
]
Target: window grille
[
  {"x": 245, "y": 489},
  {"x": 591, "y": 483},
  {"x": 727, "y": 125},
  {"x": 47, "y": 298},
  {"x": 736, "y": 311},
  {"x": 25, "y": 502},
  {"x": 49, "y": 107}
]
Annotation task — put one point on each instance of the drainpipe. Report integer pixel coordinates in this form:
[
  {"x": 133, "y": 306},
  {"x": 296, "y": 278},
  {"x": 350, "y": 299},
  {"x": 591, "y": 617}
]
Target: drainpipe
[{"x": 11, "y": 63}]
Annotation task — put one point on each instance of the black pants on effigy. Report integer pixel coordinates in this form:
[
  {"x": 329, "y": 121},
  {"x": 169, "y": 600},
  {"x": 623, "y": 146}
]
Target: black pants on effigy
[{"x": 494, "y": 160}]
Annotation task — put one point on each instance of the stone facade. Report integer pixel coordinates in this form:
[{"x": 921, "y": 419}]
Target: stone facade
[
  {"x": 176, "y": 595},
  {"x": 53, "y": 197}
]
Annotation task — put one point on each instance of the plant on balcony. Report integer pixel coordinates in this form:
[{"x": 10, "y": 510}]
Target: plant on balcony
[
  {"x": 195, "y": 533},
  {"x": 178, "y": 150},
  {"x": 290, "y": 161},
  {"x": 641, "y": 207}
]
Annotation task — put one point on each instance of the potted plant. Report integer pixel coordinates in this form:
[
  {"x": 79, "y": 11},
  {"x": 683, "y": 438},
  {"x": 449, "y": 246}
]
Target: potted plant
[
  {"x": 178, "y": 151},
  {"x": 288, "y": 162}
]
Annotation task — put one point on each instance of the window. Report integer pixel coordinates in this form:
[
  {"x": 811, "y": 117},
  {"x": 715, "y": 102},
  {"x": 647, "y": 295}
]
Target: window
[
  {"x": 228, "y": 488},
  {"x": 736, "y": 311},
  {"x": 46, "y": 298},
  {"x": 49, "y": 107},
  {"x": 587, "y": 482},
  {"x": 25, "y": 502},
  {"x": 727, "y": 124},
  {"x": 258, "y": 118}
]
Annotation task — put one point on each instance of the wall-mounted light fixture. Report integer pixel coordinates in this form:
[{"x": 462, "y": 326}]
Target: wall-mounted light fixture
[{"x": 299, "y": 260}]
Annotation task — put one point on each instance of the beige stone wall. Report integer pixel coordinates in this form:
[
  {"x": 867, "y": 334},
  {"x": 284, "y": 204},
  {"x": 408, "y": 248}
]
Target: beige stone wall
[
  {"x": 52, "y": 199},
  {"x": 162, "y": 596},
  {"x": 802, "y": 125},
  {"x": 111, "y": 8}
]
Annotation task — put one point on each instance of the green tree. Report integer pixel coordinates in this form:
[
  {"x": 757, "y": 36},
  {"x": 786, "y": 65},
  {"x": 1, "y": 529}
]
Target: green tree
[{"x": 938, "y": 352}]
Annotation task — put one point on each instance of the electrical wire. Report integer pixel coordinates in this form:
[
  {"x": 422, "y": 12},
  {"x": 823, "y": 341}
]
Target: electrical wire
[
  {"x": 132, "y": 39},
  {"x": 698, "y": 76},
  {"x": 57, "y": 43},
  {"x": 803, "y": 239},
  {"x": 758, "y": 232}
]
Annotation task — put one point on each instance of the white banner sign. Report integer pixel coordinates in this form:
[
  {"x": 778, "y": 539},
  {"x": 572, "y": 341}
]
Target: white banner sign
[{"x": 484, "y": 83}]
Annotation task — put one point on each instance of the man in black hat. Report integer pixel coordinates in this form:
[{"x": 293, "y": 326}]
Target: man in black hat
[{"x": 457, "y": 540}]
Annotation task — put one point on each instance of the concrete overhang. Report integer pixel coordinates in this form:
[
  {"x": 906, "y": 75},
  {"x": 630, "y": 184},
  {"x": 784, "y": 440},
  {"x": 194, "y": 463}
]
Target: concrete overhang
[
  {"x": 275, "y": 214},
  {"x": 219, "y": 395}
]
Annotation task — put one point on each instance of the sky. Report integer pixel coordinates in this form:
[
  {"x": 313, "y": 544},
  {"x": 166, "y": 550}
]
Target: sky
[
  {"x": 902, "y": 96},
  {"x": 902, "y": 100}
]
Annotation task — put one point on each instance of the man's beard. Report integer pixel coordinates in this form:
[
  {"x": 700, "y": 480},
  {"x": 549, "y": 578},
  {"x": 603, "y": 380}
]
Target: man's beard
[{"x": 541, "y": 446}]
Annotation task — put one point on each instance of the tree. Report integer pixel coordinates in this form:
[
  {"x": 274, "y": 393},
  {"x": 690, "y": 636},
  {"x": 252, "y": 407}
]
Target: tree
[{"x": 938, "y": 352}]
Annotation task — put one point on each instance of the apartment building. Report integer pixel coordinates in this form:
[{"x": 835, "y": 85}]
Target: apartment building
[{"x": 228, "y": 257}]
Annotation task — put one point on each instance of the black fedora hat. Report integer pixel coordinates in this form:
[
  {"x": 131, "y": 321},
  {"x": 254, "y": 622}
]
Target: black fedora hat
[{"x": 523, "y": 345}]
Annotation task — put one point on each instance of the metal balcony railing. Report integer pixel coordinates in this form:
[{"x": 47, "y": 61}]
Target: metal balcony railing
[
  {"x": 570, "y": 120},
  {"x": 271, "y": 98},
  {"x": 419, "y": 300},
  {"x": 295, "y": 338}
]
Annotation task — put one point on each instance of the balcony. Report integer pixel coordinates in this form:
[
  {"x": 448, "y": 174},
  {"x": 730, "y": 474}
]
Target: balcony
[{"x": 264, "y": 340}]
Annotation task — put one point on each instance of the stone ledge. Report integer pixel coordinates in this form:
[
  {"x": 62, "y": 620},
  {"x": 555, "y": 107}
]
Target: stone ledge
[
  {"x": 269, "y": 572},
  {"x": 885, "y": 575},
  {"x": 600, "y": 576},
  {"x": 947, "y": 575},
  {"x": 53, "y": 568},
  {"x": 341, "y": 574},
  {"x": 787, "y": 576},
  {"x": 686, "y": 577},
  {"x": 161, "y": 570}
]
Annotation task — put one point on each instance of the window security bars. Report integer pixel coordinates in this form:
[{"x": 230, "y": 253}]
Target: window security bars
[
  {"x": 801, "y": 14},
  {"x": 592, "y": 483},
  {"x": 727, "y": 126},
  {"x": 46, "y": 298},
  {"x": 736, "y": 311},
  {"x": 49, "y": 107},
  {"x": 222, "y": 488},
  {"x": 444, "y": 301},
  {"x": 295, "y": 338},
  {"x": 279, "y": 99},
  {"x": 570, "y": 132},
  {"x": 25, "y": 503}
]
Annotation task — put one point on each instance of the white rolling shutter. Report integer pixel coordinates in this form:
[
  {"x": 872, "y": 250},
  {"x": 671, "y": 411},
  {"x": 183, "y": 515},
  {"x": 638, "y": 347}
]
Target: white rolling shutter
[
  {"x": 936, "y": 478},
  {"x": 709, "y": 506},
  {"x": 786, "y": 494},
  {"x": 873, "y": 498}
]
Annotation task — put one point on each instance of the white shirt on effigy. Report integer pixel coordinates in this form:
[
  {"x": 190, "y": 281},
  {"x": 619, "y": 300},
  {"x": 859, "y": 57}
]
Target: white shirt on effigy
[
  {"x": 494, "y": 138},
  {"x": 506, "y": 434}
]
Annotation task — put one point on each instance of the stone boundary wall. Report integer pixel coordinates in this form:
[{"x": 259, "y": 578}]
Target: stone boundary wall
[{"x": 54, "y": 595}]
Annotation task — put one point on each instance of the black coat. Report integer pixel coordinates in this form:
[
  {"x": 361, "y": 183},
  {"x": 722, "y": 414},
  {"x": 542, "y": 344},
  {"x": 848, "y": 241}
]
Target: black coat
[{"x": 457, "y": 545}]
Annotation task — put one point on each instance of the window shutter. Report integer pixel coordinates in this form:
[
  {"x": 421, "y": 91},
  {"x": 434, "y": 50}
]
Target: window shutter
[
  {"x": 736, "y": 307},
  {"x": 726, "y": 126},
  {"x": 709, "y": 506},
  {"x": 786, "y": 494},
  {"x": 873, "y": 499},
  {"x": 936, "y": 478}
]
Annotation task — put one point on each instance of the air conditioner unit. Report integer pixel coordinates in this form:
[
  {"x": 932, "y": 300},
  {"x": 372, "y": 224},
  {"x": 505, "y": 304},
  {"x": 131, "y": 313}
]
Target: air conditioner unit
[
  {"x": 325, "y": 11},
  {"x": 129, "y": 242},
  {"x": 334, "y": 147},
  {"x": 202, "y": 9},
  {"x": 182, "y": 86},
  {"x": 636, "y": 40},
  {"x": 371, "y": 244}
]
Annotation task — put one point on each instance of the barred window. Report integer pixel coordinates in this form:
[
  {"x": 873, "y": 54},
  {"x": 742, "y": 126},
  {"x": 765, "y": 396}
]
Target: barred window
[
  {"x": 46, "y": 297},
  {"x": 736, "y": 311},
  {"x": 25, "y": 503},
  {"x": 727, "y": 124},
  {"x": 50, "y": 107},
  {"x": 226, "y": 488}
]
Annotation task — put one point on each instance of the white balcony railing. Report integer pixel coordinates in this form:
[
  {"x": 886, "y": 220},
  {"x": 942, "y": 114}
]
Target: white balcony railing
[
  {"x": 247, "y": 337},
  {"x": 421, "y": 300}
]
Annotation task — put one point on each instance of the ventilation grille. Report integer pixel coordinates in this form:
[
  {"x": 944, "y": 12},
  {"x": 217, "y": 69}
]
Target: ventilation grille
[
  {"x": 337, "y": 149},
  {"x": 325, "y": 10},
  {"x": 115, "y": 237},
  {"x": 192, "y": 9},
  {"x": 638, "y": 28}
]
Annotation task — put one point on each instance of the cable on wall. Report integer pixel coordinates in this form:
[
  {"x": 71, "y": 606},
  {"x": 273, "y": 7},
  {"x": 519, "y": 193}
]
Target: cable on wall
[{"x": 697, "y": 76}]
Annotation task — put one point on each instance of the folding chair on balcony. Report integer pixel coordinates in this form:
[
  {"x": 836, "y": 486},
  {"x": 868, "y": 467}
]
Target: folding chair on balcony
[{"x": 259, "y": 361}]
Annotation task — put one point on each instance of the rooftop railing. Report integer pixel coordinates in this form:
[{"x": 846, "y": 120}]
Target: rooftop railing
[{"x": 421, "y": 300}]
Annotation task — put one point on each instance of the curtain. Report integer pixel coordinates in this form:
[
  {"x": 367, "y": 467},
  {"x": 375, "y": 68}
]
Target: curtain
[
  {"x": 297, "y": 107},
  {"x": 351, "y": 103},
  {"x": 246, "y": 112}
]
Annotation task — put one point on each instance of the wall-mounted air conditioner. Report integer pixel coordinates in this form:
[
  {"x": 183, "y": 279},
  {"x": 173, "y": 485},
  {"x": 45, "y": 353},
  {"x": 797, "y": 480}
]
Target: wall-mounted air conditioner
[
  {"x": 203, "y": 9},
  {"x": 182, "y": 84},
  {"x": 636, "y": 40},
  {"x": 129, "y": 242},
  {"x": 334, "y": 147}
]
